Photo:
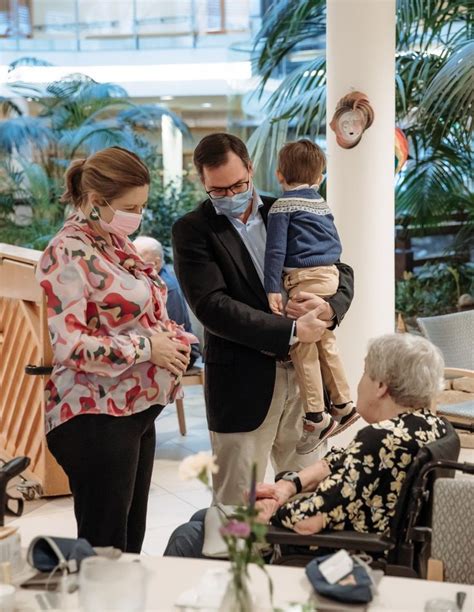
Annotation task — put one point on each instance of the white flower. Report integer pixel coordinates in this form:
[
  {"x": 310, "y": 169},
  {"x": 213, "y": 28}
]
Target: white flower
[{"x": 196, "y": 466}]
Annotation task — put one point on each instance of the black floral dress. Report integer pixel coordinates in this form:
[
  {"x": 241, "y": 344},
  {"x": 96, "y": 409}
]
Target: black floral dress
[{"x": 362, "y": 490}]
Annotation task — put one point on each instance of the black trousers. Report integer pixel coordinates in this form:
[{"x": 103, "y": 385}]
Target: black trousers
[{"x": 109, "y": 463}]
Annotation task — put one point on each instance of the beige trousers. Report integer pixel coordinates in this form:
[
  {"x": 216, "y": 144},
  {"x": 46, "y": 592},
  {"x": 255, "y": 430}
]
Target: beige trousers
[
  {"x": 318, "y": 363},
  {"x": 275, "y": 439}
]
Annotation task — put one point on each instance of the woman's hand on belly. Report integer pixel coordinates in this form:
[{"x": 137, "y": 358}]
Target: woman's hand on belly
[{"x": 166, "y": 352}]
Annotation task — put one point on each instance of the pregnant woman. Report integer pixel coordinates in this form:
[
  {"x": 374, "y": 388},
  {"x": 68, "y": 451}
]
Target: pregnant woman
[{"x": 118, "y": 358}]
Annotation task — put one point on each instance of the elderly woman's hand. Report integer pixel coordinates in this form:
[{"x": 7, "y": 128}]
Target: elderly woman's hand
[
  {"x": 166, "y": 352},
  {"x": 266, "y": 508},
  {"x": 264, "y": 490},
  {"x": 304, "y": 302},
  {"x": 280, "y": 492}
]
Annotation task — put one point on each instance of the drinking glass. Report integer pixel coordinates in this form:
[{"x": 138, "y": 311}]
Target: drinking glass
[{"x": 112, "y": 585}]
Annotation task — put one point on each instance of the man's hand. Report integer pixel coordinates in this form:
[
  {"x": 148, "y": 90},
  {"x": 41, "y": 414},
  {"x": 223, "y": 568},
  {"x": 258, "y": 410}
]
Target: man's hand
[
  {"x": 310, "y": 328},
  {"x": 275, "y": 302},
  {"x": 303, "y": 302}
]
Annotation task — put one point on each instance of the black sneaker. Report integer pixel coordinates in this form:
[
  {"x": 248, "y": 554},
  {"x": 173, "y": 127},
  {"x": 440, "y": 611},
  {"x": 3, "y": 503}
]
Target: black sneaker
[{"x": 344, "y": 416}]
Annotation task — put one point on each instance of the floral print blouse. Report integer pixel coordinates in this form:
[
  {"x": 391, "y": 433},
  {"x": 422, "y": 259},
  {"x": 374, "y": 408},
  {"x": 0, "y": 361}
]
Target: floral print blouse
[
  {"x": 103, "y": 304},
  {"x": 362, "y": 490}
]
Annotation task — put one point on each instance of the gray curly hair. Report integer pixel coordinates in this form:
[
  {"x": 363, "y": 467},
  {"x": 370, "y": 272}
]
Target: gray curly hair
[{"x": 410, "y": 366}]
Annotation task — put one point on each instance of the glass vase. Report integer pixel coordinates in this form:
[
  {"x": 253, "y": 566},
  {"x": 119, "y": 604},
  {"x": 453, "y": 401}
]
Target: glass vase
[{"x": 238, "y": 597}]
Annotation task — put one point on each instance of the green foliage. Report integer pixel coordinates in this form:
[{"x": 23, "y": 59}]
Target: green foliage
[
  {"x": 434, "y": 290},
  {"x": 434, "y": 97},
  {"x": 36, "y": 235},
  {"x": 75, "y": 117},
  {"x": 168, "y": 203},
  {"x": 28, "y": 183},
  {"x": 286, "y": 24}
]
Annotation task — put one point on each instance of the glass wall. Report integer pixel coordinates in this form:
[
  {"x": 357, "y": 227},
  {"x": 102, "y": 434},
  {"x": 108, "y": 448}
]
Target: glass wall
[{"x": 49, "y": 25}]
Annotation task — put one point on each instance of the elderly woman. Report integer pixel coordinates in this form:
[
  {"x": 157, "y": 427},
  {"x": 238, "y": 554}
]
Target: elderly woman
[{"x": 357, "y": 488}]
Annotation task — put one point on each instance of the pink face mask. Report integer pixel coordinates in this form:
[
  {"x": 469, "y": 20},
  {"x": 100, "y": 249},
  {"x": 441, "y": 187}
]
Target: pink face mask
[{"x": 122, "y": 223}]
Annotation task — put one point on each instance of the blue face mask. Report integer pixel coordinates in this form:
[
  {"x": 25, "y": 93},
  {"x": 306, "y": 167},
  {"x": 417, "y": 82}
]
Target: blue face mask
[{"x": 233, "y": 206}]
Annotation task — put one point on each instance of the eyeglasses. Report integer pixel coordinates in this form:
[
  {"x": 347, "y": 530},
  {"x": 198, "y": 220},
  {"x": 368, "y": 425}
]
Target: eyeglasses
[{"x": 221, "y": 192}]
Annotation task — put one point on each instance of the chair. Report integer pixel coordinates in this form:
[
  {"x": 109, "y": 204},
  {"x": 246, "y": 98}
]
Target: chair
[
  {"x": 452, "y": 531},
  {"x": 401, "y": 552},
  {"x": 452, "y": 334},
  {"x": 194, "y": 376},
  {"x": 460, "y": 413}
]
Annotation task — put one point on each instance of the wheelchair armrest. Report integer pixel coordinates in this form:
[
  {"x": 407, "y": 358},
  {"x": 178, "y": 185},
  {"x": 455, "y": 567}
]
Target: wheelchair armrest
[{"x": 352, "y": 540}]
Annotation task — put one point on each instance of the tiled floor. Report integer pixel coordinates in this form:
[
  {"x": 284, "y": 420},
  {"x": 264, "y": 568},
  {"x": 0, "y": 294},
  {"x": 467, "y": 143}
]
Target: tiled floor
[{"x": 172, "y": 501}]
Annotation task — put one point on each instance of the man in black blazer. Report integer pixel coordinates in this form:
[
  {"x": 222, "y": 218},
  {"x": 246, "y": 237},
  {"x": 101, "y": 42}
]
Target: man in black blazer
[{"x": 253, "y": 406}]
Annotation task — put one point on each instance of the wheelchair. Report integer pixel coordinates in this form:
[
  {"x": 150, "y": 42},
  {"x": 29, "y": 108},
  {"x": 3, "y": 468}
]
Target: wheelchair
[{"x": 405, "y": 549}]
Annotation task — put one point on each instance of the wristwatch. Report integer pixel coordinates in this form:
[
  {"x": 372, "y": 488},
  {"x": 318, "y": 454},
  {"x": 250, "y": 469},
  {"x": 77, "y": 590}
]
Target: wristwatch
[
  {"x": 294, "y": 336},
  {"x": 290, "y": 477}
]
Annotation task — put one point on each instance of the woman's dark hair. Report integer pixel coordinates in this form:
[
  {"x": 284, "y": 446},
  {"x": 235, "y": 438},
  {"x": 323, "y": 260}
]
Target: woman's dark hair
[
  {"x": 212, "y": 151},
  {"x": 109, "y": 173}
]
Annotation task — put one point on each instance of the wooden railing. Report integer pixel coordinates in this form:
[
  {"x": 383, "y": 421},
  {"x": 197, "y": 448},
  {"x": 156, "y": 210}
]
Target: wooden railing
[
  {"x": 405, "y": 231},
  {"x": 25, "y": 340}
]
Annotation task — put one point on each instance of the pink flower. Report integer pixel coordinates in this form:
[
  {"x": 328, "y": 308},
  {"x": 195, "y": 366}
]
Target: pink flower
[{"x": 237, "y": 529}]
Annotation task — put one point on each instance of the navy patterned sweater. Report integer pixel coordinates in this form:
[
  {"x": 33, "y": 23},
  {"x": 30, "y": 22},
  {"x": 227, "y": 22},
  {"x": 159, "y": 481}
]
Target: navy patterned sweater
[{"x": 300, "y": 234}]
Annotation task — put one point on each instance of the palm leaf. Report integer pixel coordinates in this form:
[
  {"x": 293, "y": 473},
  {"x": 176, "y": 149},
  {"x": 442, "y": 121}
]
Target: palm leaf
[
  {"x": 422, "y": 24},
  {"x": 89, "y": 139},
  {"x": 100, "y": 91},
  {"x": 449, "y": 95},
  {"x": 433, "y": 186},
  {"x": 37, "y": 184},
  {"x": 287, "y": 26},
  {"x": 11, "y": 179},
  {"x": 414, "y": 70},
  {"x": 263, "y": 145},
  {"x": 148, "y": 116},
  {"x": 27, "y": 90},
  {"x": 8, "y": 108},
  {"x": 310, "y": 76},
  {"x": 67, "y": 87},
  {"x": 300, "y": 101},
  {"x": 27, "y": 61},
  {"x": 18, "y": 133}
]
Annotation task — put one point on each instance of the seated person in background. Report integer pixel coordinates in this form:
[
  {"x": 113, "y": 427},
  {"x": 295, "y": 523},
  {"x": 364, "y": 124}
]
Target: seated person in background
[
  {"x": 151, "y": 251},
  {"x": 357, "y": 488}
]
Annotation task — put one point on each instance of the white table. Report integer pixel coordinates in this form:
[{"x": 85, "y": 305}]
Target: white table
[{"x": 172, "y": 576}]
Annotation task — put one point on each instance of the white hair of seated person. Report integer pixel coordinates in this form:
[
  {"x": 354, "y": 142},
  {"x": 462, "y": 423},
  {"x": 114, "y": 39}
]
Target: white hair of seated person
[
  {"x": 410, "y": 366},
  {"x": 149, "y": 248}
]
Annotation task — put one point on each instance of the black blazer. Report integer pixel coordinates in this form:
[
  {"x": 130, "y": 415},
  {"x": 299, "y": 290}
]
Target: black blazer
[{"x": 243, "y": 338}]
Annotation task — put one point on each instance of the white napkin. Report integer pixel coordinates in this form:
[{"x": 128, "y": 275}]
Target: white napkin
[{"x": 208, "y": 594}]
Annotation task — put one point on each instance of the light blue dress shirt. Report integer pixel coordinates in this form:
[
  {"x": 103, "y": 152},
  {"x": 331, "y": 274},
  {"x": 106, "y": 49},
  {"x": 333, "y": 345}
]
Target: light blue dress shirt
[{"x": 254, "y": 236}]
